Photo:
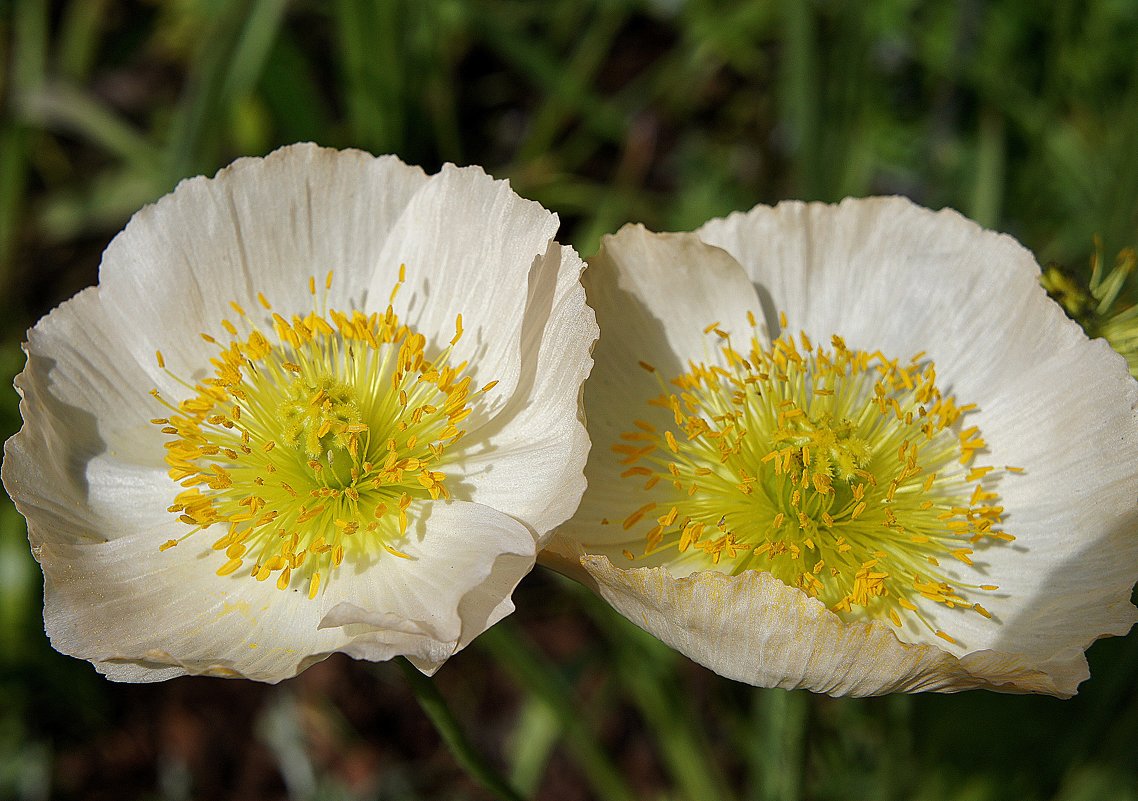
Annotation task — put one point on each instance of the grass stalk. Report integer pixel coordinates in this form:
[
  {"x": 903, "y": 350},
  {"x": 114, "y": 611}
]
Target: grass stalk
[
  {"x": 542, "y": 680},
  {"x": 446, "y": 724}
]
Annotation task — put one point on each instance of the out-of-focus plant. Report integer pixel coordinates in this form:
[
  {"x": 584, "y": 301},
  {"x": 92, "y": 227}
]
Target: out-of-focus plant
[{"x": 1100, "y": 304}]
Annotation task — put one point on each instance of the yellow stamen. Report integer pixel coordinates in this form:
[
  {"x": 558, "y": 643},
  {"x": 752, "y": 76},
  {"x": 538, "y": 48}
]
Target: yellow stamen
[
  {"x": 310, "y": 448},
  {"x": 844, "y": 473}
]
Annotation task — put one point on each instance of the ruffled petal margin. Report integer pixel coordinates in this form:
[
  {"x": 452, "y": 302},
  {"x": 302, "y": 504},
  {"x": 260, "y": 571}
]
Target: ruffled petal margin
[
  {"x": 536, "y": 437},
  {"x": 261, "y": 225},
  {"x": 755, "y": 629},
  {"x": 143, "y": 615},
  {"x": 654, "y": 296}
]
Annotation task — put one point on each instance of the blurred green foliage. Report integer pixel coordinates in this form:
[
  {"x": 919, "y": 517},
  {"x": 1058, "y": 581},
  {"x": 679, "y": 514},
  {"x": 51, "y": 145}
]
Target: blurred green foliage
[{"x": 1023, "y": 116}]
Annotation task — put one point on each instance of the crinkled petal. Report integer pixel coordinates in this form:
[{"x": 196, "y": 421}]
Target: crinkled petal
[
  {"x": 76, "y": 379},
  {"x": 465, "y": 560},
  {"x": 887, "y": 275},
  {"x": 262, "y": 225},
  {"x": 1067, "y": 578},
  {"x": 111, "y": 597},
  {"x": 469, "y": 243},
  {"x": 86, "y": 416},
  {"x": 88, "y": 467},
  {"x": 756, "y": 629},
  {"x": 141, "y": 614},
  {"x": 654, "y": 295},
  {"x": 528, "y": 459}
]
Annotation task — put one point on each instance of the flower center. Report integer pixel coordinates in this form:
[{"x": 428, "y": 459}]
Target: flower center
[
  {"x": 309, "y": 446},
  {"x": 844, "y": 473}
]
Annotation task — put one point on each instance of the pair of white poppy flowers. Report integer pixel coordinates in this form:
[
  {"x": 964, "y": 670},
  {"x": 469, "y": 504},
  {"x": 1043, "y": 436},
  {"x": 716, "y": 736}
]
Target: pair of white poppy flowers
[{"x": 325, "y": 402}]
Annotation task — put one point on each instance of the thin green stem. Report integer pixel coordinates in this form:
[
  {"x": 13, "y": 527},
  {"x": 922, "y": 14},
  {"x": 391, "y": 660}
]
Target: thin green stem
[
  {"x": 646, "y": 669},
  {"x": 435, "y": 706},
  {"x": 542, "y": 680},
  {"x": 778, "y": 732}
]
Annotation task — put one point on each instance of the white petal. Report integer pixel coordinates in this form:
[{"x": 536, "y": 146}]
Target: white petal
[
  {"x": 75, "y": 370},
  {"x": 755, "y": 629},
  {"x": 465, "y": 560},
  {"x": 261, "y": 225},
  {"x": 88, "y": 466},
  {"x": 469, "y": 243},
  {"x": 86, "y": 413},
  {"x": 1067, "y": 578},
  {"x": 886, "y": 274},
  {"x": 139, "y": 613},
  {"x": 122, "y": 602},
  {"x": 654, "y": 294},
  {"x": 112, "y": 597},
  {"x": 528, "y": 460}
]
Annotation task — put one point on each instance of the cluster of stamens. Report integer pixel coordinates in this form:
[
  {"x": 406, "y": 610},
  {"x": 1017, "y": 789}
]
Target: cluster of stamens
[
  {"x": 310, "y": 449},
  {"x": 844, "y": 473}
]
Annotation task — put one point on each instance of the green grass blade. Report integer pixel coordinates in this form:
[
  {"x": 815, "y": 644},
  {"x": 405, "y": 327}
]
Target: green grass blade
[
  {"x": 65, "y": 108},
  {"x": 532, "y": 741},
  {"x": 79, "y": 38},
  {"x": 371, "y": 59},
  {"x": 799, "y": 91},
  {"x": 580, "y": 69},
  {"x": 197, "y": 131},
  {"x": 29, "y": 51},
  {"x": 292, "y": 95},
  {"x": 435, "y": 707},
  {"x": 605, "y": 119},
  {"x": 646, "y": 669},
  {"x": 251, "y": 52},
  {"x": 776, "y": 750},
  {"x": 987, "y": 191},
  {"x": 542, "y": 680}
]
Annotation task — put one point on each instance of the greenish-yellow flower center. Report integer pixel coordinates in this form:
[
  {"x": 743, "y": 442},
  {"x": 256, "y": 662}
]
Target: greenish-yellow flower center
[
  {"x": 307, "y": 447},
  {"x": 844, "y": 473}
]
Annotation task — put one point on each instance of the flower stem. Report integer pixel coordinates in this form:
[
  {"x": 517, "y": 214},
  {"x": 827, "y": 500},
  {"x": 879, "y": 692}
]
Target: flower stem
[
  {"x": 647, "y": 670},
  {"x": 543, "y": 681},
  {"x": 778, "y": 731},
  {"x": 435, "y": 706}
]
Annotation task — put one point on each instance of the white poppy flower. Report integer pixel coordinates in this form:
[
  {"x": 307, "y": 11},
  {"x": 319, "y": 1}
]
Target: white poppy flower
[
  {"x": 927, "y": 479},
  {"x": 321, "y": 402}
]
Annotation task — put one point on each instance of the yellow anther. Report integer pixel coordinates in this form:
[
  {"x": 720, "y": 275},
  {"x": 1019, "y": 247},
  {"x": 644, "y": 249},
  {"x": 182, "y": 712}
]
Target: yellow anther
[
  {"x": 305, "y": 412},
  {"x": 796, "y": 435},
  {"x": 229, "y": 567}
]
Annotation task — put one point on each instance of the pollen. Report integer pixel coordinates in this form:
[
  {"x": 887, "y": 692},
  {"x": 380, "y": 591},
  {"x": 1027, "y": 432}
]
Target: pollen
[
  {"x": 307, "y": 445},
  {"x": 847, "y": 474}
]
